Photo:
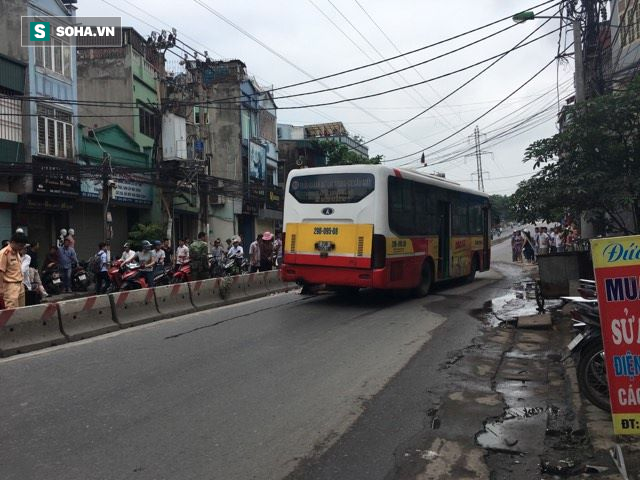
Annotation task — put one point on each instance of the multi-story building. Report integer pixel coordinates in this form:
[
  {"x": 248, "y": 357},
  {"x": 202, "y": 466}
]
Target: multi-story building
[
  {"x": 128, "y": 74},
  {"x": 231, "y": 137},
  {"x": 625, "y": 43},
  {"x": 40, "y": 140},
  {"x": 298, "y": 145}
]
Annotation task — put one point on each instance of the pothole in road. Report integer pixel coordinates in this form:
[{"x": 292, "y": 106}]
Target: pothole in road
[
  {"x": 513, "y": 432},
  {"x": 518, "y": 302}
]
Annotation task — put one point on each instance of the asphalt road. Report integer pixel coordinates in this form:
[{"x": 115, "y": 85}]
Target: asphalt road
[{"x": 254, "y": 390}]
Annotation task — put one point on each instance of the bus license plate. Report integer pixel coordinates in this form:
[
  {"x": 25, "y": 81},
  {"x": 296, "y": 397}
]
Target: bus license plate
[{"x": 325, "y": 246}]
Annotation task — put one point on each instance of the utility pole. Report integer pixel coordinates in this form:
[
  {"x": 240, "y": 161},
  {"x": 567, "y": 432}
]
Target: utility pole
[
  {"x": 476, "y": 135},
  {"x": 578, "y": 59}
]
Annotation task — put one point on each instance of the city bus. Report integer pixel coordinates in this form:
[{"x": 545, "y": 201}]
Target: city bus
[{"x": 372, "y": 226}]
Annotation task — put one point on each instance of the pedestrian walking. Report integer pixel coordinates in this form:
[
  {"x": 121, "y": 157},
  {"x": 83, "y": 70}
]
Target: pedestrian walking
[
  {"x": 198, "y": 253},
  {"x": 102, "y": 275},
  {"x": 11, "y": 277},
  {"x": 67, "y": 258},
  {"x": 254, "y": 254}
]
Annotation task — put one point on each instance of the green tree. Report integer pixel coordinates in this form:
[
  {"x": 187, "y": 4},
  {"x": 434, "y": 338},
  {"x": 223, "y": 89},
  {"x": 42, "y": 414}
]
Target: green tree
[
  {"x": 340, "y": 154},
  {"x": 500, "y": 208},
  {"x": 591, "y": 166},
  {"x": 142, "y": 232}
]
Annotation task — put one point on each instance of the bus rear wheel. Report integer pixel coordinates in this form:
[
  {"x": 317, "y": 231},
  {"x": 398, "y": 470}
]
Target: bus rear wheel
[{"x": 426, "y": 281}]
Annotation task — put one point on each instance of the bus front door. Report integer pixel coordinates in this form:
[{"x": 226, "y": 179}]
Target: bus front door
[{"x": 444, "y": 239}]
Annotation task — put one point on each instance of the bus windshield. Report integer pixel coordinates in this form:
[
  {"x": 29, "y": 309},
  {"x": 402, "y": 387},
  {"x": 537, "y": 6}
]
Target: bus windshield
[{"x": 332, "y": 188}]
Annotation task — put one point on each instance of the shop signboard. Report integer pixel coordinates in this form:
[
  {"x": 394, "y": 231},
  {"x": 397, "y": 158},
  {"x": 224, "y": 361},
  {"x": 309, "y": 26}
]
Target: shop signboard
[
  {"x": 53, "y": 177},
  {"x": 616, "y": 263},
  {"x": 127, "y": 190}
]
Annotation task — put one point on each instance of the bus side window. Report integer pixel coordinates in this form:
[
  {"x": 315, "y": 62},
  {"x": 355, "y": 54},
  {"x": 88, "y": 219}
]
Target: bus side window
[
  {"x": 401, "y": 206},
  {"x": 475, "y": 219},
  {"x": 460, "y": 218}
]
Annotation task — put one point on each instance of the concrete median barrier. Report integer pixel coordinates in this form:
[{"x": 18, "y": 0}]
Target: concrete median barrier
[
  {"x": 134, "y": 307},
  {"x": 232, "y": 289},
  {"x": 174, "y": 299},
  {"x": 205, "y": 294},
  {"x": 86, "y": 317},
  {"x": 29, "y": 328},
  {"x": 255, "y": 285}
]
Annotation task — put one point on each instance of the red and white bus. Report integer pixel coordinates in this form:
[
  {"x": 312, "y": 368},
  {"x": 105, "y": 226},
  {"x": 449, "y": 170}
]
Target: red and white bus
[{"x": 371, "y": 226}]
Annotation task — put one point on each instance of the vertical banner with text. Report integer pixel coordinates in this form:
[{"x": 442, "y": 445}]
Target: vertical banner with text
[{"x": 616, "y": 264}]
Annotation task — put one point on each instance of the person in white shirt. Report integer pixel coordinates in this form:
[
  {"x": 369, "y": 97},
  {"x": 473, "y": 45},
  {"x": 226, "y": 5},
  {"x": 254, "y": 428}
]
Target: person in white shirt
[
  {"x": 236, "y": 249},
  {"x": 127, "y": 254},
  {"x": 543, "y": 241},
  {"x": 182, "y": 253},
  {"x": 558, "y": 241}
]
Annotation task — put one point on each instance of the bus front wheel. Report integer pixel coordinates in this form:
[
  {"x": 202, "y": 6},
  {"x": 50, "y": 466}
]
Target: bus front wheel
[
  {"x": 426, "y": 281},
  {"x": 474, "y": 268}
]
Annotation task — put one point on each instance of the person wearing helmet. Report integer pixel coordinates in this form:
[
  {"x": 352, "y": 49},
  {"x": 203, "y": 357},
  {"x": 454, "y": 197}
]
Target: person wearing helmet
[
  {"x": 127, "y": 253},
  {"x": 145, "y": 257}
]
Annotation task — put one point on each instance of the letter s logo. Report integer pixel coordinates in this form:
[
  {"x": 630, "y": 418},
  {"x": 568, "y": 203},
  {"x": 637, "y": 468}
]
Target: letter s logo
[{"x": 41, "y": 31}]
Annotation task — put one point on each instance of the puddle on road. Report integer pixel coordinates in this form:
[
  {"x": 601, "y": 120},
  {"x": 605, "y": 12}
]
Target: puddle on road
[{"x": 519, "y": 301}]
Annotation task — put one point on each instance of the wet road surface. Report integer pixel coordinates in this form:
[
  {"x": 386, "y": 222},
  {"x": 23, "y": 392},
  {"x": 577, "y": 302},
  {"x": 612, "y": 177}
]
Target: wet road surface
[{"x": 312, "y": 387}]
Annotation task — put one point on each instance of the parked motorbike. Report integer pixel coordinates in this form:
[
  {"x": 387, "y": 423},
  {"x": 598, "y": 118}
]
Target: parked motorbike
[
  {"x": 51, "y": 279},
  {"x": 163, "y": 276},
  {"x": 79, "y": 278},
  {"x": 235, "y": 265},
  {"x": 216, "y": 266},
  {"x": 587, "y": 347},
  {"x": 133, "y": 278},
  {"x": 115, "y": 273},
  {"x": 182, "y": 273}
]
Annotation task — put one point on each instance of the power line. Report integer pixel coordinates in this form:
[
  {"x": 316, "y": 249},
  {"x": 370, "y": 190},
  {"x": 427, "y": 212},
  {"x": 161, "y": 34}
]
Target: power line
[
  {"x": 499, "y": 57},
  {"x": 530, "y": 79}
]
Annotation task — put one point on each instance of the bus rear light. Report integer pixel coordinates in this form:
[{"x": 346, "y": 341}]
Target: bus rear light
[{"x": 379, "y": 253}]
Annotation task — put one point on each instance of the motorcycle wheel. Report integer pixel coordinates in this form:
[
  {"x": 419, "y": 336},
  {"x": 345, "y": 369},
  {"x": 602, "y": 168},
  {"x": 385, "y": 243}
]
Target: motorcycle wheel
[{"x": 592, "y": 374}]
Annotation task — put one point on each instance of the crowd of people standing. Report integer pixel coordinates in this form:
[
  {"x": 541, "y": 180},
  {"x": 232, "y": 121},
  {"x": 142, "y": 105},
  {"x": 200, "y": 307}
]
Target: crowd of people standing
[
  {"x": 526, "y": 246},
  {"x": 20, "y": 269}
]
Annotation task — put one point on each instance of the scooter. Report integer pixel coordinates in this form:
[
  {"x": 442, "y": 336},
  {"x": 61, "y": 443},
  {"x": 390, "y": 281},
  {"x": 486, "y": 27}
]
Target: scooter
[
  {"x": 587, "y": 347},
  {"x": 79, "y": 280},
  {"x": 182, "y": 273},
  {"x": 115, "y": 273},
  {"x": 235, "y": 265},
  {"x": 133, "y": 278},
  {"x": 51, "y": 279},
  {"x": 216, "y": 266}
]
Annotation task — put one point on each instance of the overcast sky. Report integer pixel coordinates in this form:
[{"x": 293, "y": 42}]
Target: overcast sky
[{"x": 300, "y": 32}]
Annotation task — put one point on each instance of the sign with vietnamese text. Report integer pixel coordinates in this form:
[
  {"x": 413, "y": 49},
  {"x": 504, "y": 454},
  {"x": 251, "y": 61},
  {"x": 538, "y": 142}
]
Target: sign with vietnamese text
[
  {"x": 616, "y": 263},
  {"x": 127, "y": 190}
]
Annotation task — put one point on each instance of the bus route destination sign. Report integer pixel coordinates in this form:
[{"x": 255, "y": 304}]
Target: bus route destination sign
[{"x": 616, "y": 263}]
